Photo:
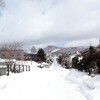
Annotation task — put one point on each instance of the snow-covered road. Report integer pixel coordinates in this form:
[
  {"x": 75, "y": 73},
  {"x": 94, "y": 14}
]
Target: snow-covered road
[
  {"x": 54, "y": 83},
  {"x": 39, "y": 84}
]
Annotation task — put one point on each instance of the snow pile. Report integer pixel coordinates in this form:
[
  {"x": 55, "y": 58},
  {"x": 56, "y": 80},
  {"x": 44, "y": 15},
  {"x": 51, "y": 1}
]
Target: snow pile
[
  {"x": 3, "y": 82},
  {"x": 94, "y": 85},
  {"x": 90, "y": 86}
]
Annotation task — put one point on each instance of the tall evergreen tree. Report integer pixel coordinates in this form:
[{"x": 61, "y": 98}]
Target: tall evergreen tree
[
  {"x": 41, "y": 56},
  {"x": 90, "y": 62},
  {"x": 98, "y": 61}
]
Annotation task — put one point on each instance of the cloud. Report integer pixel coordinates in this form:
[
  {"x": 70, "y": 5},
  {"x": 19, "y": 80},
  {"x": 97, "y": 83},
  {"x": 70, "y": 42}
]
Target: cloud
[
  {"x": 86, "y": 42},
  {"x": 44, "y": 22}
]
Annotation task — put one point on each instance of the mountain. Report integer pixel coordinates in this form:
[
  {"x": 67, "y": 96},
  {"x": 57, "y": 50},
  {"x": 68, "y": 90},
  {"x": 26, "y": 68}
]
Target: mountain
[
  {"x": 51, "y": 49},
  {"x": 69, "y": 50}
]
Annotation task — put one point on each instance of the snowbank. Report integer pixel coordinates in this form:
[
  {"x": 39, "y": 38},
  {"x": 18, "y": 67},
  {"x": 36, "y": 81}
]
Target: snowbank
[{"x": 90, "y": 86}]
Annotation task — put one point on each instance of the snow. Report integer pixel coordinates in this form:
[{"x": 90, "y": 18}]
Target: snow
[
  {"x": 1, "y": 66},
  {"x": 55, "y": 50},
  {"x": 2, "y": 60},
  {"x": 54, "y": 83}
]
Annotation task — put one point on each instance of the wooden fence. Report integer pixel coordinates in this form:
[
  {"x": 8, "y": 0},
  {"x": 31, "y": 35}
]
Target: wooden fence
[{"x": 15, "y": 68}]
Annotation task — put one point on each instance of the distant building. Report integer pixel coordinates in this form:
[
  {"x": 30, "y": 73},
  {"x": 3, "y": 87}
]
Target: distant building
[
  {"x": 12, "y": 54},
  {"x": 30, "y": 56},
  {"x": 71, "y": 56}
]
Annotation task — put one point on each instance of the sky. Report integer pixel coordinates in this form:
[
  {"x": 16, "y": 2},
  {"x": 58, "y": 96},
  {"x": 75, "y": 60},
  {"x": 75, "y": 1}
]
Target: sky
[{"x": 39, "y": 23}]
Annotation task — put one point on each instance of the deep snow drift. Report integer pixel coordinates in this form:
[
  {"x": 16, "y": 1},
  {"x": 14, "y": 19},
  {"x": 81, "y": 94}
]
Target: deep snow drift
[{"x": 54, "y": 83}]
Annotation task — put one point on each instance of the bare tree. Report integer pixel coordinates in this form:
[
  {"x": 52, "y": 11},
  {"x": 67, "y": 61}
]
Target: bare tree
[
  {"x": 33, "y": 49},
  {"x": 15, "y": 45},
  {"x": 11, "y": 50},
  {"x": 2, "y": 3}
]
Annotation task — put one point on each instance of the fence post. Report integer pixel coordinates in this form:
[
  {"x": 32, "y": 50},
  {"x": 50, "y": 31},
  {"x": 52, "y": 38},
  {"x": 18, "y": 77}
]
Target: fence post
[
  {"x": 14, "y": 68},
  {"x": 26, "y": 67},
  {"x": 10, "y": 68},
  {"x": 23, "y": 67},
  {"x": 29, "y": 68},
  {"x": 19, "y": 68},
  {"x": 7, "y": 69}
]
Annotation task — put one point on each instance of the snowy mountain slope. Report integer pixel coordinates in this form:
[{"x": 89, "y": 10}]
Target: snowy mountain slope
[
  {"x": 55, "y": 50},
  {"x": 51, "y": 48},
  {"x": 69, "y": 50},
  {"x": 54, "y": 83}
]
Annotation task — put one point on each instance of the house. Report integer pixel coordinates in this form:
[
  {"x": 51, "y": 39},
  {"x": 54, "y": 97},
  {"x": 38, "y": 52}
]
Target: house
[
  {"x": 12, "y": 54},
  {"x": 71, "y": 56},
  {"x": 30, "y": 56}
]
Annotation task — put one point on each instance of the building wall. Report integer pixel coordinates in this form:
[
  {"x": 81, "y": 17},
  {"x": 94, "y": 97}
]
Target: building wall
[{"x": 11, "y": 54}]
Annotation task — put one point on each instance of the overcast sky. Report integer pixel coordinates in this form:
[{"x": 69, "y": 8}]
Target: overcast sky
[{"x": 51, "y": 22}]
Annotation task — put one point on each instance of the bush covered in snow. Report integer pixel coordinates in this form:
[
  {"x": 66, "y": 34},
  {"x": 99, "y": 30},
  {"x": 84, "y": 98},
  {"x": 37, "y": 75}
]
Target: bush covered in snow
[
  {"x": 63, "y": 60},
  {"x": 90, "y": 62}
]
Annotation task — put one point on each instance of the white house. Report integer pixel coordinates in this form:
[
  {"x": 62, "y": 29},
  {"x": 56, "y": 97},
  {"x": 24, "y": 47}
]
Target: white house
[{"x": 71, "y": 56}]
